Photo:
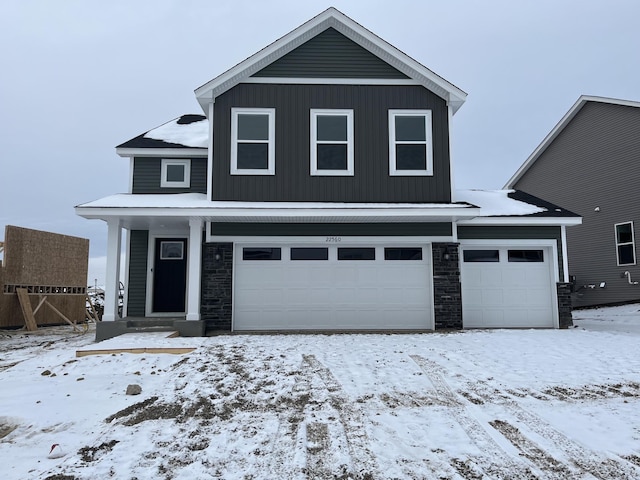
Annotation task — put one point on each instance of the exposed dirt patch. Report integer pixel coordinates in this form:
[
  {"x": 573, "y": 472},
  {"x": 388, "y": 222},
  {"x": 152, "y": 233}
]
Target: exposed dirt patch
[
  {"x": 91, "y": 454},
  {"x": 6, "y": 429}
]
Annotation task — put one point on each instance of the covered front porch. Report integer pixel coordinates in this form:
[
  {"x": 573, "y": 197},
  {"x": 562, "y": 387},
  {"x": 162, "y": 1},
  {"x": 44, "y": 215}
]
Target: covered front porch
[{"x": 165, "y": 251}]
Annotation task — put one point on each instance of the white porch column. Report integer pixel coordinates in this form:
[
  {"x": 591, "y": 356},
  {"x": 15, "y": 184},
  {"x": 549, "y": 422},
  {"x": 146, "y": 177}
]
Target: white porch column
[
  {"x": 195, "y": 255},
  {"x": 112, "y": 285}
]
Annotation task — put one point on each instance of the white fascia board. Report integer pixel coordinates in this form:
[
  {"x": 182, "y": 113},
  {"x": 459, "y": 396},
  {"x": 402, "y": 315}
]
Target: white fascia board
[
  {"x": 560, "y": 126},
  {"x": 352, "y": 30},
  {"x": 280, "y": 213},
  {"x": 162, "y": 152},
  {"x": 523, "y": 221}
]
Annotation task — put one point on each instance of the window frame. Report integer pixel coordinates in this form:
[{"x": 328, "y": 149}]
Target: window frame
[
  {"x": 314, "y": 142},
  {"x": 164, "y": 165},
  {"x": 271, "y": 141},
  {"x": 619, "y": 244},
  {"x": 428, "y": 142}
]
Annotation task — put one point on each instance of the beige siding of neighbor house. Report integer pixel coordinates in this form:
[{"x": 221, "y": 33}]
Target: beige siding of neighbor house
[{"x": 593, "y": 168}]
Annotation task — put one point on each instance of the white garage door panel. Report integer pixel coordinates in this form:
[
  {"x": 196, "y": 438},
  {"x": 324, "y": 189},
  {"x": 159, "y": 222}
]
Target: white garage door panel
[
  {"x": 332, "y": 294},
  {"x": 508, "y": 294}
]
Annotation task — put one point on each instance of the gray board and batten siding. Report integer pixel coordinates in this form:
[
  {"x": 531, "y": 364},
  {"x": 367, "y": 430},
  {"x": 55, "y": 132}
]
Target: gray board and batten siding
[
  {"x": 147, "y": 173},
  {"x": 333, "y": 229},
  {"x": 330, "y": 55},
  {"x": 468, "y": 232},
  {"x": 292, "y": 180},
  {"x": 594, "y": 163}
]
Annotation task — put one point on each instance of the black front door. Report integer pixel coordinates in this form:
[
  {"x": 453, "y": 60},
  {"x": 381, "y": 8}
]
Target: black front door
[{"x": 170, "y": 275}]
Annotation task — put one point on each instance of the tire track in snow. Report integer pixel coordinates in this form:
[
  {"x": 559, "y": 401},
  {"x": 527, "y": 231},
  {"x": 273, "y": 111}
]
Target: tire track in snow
[
  {"x": 494, "y": 460},
  {"x": 363, "y": 460},
  {"x": 583, "y": 458}
]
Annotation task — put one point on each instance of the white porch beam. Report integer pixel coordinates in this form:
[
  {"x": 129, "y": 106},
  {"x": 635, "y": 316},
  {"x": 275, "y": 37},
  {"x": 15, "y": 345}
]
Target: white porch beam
[
  {"x": 194, "y": 258},
  {"x": 111, "y": 289}
]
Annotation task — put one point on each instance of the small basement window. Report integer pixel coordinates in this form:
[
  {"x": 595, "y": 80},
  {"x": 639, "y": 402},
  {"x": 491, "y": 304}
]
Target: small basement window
[
  {"x": 526, "y": 256},
  {"x": 261, "y": 253},
  {"x": 480, "y": 256},
  {"x": 356, "y": 253},
  {"x": 175, "y": 173},
  {"x": 403, "y": 253},
  {"x": 625, "y": 244},
  {"x": 309, "y": 253}
]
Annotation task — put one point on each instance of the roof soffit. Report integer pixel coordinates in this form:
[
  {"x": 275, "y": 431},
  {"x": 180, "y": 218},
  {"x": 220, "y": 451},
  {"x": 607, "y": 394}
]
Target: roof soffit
[{"x": 331, "y": 18}]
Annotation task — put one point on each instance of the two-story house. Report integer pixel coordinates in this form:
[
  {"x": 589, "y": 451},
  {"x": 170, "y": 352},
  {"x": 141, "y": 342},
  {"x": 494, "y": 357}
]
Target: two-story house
[
  {"x": 589, "y": 162},
  {"x": 315, "y": 193}
]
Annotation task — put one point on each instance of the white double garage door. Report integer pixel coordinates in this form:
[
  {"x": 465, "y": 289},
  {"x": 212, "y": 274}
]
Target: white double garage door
[{"x": 384, "y": 287}]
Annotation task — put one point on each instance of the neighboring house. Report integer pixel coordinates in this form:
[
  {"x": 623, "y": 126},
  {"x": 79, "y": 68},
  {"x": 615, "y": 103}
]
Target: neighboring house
[
  {"x": 316, "y": 194},
  {"x": 590, "y": 164}
]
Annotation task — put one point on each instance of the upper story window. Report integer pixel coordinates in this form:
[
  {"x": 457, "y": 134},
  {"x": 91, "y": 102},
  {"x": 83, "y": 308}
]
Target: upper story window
[
  {"x": 253, "y": 141},
  {"x": 331, "y": 142},
  {"x": 175, "y": 173},
  {"x": 410, "y": 142},
  {"x": 625, "y": 244}
]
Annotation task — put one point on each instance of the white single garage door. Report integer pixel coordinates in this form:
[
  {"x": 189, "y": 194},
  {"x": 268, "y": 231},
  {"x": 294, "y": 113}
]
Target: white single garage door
[
  {"x": 508, "y": 287},
  {"x": 320, "y": 287}
]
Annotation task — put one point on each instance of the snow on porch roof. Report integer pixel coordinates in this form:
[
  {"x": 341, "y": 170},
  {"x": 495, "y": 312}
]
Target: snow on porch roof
[{"x": 471, "y": 205}]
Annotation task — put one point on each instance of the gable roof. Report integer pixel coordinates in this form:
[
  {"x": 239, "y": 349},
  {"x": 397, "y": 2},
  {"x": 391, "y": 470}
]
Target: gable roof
[
  {"x": 331, "y": 18},
  {"x": 189, "y": 131},
  {"x": 573, "y": 111}
]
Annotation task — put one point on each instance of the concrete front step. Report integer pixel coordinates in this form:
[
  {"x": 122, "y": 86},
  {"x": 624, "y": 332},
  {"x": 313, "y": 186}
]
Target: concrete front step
[{"x": 186, "y": 328}]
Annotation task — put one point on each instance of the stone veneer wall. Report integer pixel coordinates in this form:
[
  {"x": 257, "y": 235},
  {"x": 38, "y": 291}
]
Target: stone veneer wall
[
  {"x": 447, "y": 291},
  {"x": 565, "y": 320},
  {"x": 215, "y": 306}
]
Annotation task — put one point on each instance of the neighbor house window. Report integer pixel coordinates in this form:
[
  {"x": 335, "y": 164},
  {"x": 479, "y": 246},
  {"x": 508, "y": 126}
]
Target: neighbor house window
[
  {"x": 331, "y": 142},
  {"x": 625, "y": 244},
  {"x": 253, "y": 141},
  {"x": 410, "y": 145},
  {"x": 175, "y": 173}
]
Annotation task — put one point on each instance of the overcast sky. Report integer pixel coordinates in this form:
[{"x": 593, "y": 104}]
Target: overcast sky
[{"x": 80, "y": 77}]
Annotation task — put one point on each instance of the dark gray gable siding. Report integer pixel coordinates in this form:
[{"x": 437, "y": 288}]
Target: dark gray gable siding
[
  {"x": 137, "y": 283},
  {"x": 332, "y": 229},
  {"x": 595, "y": 162},
  {"x": 146, "y": 176},
  {"x": 330, "y": 55},
  {"x": 482, "y": 232},
  {"x": 292, "y": 182}
]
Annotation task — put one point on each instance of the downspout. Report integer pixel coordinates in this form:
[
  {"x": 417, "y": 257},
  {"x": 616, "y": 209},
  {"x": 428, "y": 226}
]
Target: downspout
[
  {"x": 565, "y": 254},
  {"x": 210, "y": 153},
  {"x": 452, "y": 183}
]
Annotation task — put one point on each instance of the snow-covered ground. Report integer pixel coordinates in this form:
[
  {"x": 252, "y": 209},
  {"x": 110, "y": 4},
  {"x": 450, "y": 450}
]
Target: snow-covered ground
[{"x": 503, "y": 404}]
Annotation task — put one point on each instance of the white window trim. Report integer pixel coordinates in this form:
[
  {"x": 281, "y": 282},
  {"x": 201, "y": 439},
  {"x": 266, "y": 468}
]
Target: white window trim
[
  {"x": 166, "y": 162},
  {"x": 271, "y": 155},
  {"x": 632, "y": 242},
  {"x": 315, "y": 113},
  {"x": 393, "y": 171}
]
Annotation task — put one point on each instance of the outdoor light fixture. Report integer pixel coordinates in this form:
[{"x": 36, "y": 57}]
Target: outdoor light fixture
[
  {"x": 218, "y": 255},
  {"x": 448, "y": 252}
]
